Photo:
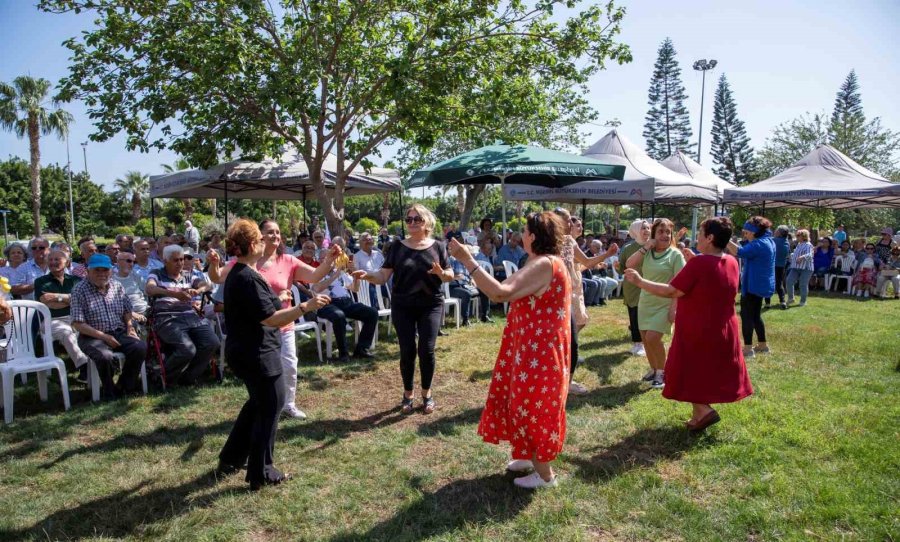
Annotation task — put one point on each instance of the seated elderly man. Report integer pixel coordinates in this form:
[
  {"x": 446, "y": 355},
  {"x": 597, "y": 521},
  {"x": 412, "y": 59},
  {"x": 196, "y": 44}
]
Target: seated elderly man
[
  {"x": 23, "y": 281},
  {"x": 133, "y": 284},
  {"x": 342, "y": 307},
  {"x": 604, "y": 285},
  {"x": 55, "y": 290},
  {"x": 462, "y": 288},
  {"x": 368, "y": 259},
  {"x": 101, "y": 314},
  {"x": 176, "y": 302},
  {"x": 87, "y": 248},
  {"x": 512, "y": 251}
]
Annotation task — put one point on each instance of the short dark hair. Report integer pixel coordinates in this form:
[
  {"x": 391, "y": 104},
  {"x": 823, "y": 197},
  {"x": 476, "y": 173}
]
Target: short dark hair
[
  {"x": 720, "y": 228},
  {"x": 762, "y": 225},
  {"x": 548, "y": 230},
  {"x": 483, "y": 220}
]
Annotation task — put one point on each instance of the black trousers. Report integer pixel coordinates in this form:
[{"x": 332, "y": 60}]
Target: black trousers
[
  {"x": 337, "y": 313},
  {"x": 779, "y": 285},
  {"x": 573, "y": 346},
  {"x": 751, "y": 318},
  {"x": 426, "y": 322},
  {"x": 465, "y": 298},
  {"x": 252, "y": 439},
  {"x": 633, "y": 325},
  {"x": 135, "y": 351}
]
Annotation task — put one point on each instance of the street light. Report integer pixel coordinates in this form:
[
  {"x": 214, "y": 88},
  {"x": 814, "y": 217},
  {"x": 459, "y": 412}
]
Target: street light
[
  {"x": 71, "y": 203},
  {"x": 5, "y": 212},
  {"x": 84, "y": 148},
  {"x": 703, "y": 66}
]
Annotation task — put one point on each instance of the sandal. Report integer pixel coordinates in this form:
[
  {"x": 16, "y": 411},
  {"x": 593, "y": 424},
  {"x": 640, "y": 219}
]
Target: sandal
[
  {"x": 406, "y": 405},
  {"x": 428, "y": 405}
]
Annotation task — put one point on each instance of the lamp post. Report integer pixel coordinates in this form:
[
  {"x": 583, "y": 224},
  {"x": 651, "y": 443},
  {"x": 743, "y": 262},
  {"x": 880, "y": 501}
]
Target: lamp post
[
  {"x": 5, "y": 212},
  {"x": 71, "y": 203},
  {"x": 703, "y": 66},
  {"x": 84, "y": 148}
]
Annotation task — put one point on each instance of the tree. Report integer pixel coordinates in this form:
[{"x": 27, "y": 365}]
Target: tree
[
  {"x": 188, "y": 203},
  {"x": 27, "y": 109},
  {"x": 136, "y": 184},
  {"x": 731, "y": 149},
  {"x": 335, "y": 76},
  {"x": 667, "y": 126},
  {"x": 865, "y": 142},
  {"x": 789, "y": 142}
]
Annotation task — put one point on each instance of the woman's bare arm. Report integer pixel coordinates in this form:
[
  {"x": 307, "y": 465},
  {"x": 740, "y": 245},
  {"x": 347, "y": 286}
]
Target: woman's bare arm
[{"x": 532, "y": 278}]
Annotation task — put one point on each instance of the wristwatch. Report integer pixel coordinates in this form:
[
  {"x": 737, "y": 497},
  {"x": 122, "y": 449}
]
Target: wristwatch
[{"x": 58, "y": 298}]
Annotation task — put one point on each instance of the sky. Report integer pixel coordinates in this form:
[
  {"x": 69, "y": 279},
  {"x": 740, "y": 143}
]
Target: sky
[{"x": 783, "y": 58}]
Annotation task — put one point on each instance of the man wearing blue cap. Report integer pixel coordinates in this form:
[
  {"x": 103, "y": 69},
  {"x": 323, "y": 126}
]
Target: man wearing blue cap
[{"x": 101, "y": 314}]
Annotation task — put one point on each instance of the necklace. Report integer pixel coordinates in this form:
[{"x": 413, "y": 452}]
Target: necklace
[{"x": 661, "y": 256}]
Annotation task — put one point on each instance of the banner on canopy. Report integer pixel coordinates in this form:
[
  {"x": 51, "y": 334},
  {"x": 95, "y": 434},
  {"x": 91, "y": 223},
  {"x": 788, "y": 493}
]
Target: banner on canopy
[{"x": 639, "y": 191}]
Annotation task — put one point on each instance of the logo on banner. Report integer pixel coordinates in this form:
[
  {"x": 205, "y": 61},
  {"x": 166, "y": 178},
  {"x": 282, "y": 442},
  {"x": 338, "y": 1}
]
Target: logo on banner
[{"x": 637, "y": 192}]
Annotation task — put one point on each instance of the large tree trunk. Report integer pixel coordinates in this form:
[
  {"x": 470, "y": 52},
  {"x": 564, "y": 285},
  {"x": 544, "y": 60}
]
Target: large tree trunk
[
  {"x": 34, "y": 142},
  {"x": 472, "y": 193},
  {"x": 212, "y": 206},
  {"x": 385, "y": 209},
  {"x": 615, "y": 225},
  {"x": 460, "y": 203},
  {"x": 135, "y": 207}
]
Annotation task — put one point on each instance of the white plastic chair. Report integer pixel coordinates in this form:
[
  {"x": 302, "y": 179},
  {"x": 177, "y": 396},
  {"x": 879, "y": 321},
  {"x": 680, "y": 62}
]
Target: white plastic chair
[
  {"x": 301, "y": 326},
  {"x": 94, "y": 376},
  {"x": 451, "y": 302},
  {"x": 509, "y": 268},
  {"x": 21, "y": 356},
  {"x": 364, "y": 297},
  {"x": 619, "y": 278},
  {"x": 846, "y": 265}
]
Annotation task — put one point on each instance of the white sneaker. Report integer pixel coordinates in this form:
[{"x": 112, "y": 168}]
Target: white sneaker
[
  {"x": 576, "y": 389},
  {"x": 520, "y": 465},
  {"x": 291, "y": 411},
  {"x": 659, "y": 381},
  {"x": 639, "y": 351},
  {"x": 534, "y": 481},
  {"x": 801, "y": 304}
]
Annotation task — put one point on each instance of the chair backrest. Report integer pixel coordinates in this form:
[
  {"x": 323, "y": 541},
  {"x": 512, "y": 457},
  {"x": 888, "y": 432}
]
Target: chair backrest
[
  {"x": 509, "y": 267},
  {"x": 471, "y": 240},
  {"x": 381, "y": 303},
  {"x": 445, "y": 287},
  {"x": 295, "y": 299},
  {"x": 486, "y": 266},
  {"x": 22, "y": 342},
  {"x": 845, "y": 263},
  {"x": 362, "y": 294}
]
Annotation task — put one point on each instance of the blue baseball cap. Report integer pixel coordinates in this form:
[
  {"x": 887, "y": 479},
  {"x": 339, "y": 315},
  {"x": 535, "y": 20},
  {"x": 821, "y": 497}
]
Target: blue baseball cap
[{"x": 99, "y": 260}]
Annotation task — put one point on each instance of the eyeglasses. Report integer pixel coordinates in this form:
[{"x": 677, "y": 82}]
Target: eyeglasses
[
  {"x": 39, "y": 248},
  {"x": 414, "y": 220},
  {"x": 188, "y": 257}
]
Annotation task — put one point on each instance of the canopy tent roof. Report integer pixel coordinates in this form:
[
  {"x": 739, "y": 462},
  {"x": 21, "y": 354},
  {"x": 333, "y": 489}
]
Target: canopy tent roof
[
  {"x": 683, "y": 164},
  {"x": 823, "y": 178},
  {"x": 514, "y": 163},
  {"x": 270, "y": 179},
  {"x": 669, "y": 186}
]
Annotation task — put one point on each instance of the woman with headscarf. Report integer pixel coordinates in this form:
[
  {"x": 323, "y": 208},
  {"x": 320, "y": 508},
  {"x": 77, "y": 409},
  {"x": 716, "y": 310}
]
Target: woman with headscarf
[
  {"x": 757, "y": 280},
  {"x": 639, "y": 231}
]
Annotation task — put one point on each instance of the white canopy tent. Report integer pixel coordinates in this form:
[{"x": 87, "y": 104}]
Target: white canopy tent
[
  {"x": 823, "y": 178},
  {"x": 669, "y": 187},
  {"x": 683, "y": 164}
]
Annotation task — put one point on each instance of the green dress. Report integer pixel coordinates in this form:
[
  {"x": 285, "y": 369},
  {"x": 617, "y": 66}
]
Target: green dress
[{"x": 653, "y": 311}]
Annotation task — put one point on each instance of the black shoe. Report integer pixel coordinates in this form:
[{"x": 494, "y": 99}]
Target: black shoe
[
  {"x": 601, "y": 303},
  {"x": 466, "y": 323},
  {"x": 487, "y": 320},
  {"x": 363, "y": 354},
  {"x": 342, "y": 358},
  {"x": 82, "y": 377},
  {"x": 277, "y": 477},
  {"x": 227, "y": 469}
]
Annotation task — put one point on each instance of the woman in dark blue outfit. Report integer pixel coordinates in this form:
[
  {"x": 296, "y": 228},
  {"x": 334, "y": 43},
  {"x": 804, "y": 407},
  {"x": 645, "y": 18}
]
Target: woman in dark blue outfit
[
  {"x": 253, "y": 316},
  {"x": 757, "y": 280}
]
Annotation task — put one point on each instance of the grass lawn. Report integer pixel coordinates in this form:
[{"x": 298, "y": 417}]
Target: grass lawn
[{"x": 814, "y": 454}]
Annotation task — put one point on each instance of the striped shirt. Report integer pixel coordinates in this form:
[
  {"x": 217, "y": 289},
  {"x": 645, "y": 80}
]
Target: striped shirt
[
  {"x": 102, "y": 311},
  {"x": 802, "y": 258}
]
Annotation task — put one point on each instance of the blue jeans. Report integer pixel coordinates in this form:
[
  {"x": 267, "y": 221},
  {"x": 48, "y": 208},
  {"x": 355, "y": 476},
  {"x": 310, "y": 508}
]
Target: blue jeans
[
  {"x": 591, "y": 291},
  {"x": 803, "y": 276}
]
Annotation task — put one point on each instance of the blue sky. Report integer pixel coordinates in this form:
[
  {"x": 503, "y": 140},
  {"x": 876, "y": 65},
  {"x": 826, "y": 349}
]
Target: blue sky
[{"x": 782, "y": 58}]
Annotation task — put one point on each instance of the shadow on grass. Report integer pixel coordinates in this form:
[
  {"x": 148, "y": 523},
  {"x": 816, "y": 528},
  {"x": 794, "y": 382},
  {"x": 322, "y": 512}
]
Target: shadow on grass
[
  {"x": 450, "y": 425},
  {"x": 456, "y": 505},
  {"x": 124, "y": 513},
  {"x": 604, "y": 343},
  {"x": 643, "y": 448},
  {"x": 603, "y": 364},
  {"x": 334, "y": 430},
  {"x": 607, "y": 397}
]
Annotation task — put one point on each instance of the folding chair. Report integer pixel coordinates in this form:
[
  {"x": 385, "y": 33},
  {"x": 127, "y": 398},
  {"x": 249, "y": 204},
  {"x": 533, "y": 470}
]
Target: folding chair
[{"x": 301, "y": 326}]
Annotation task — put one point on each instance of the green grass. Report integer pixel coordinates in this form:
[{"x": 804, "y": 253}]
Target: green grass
[{"x": 814, "y": 454}]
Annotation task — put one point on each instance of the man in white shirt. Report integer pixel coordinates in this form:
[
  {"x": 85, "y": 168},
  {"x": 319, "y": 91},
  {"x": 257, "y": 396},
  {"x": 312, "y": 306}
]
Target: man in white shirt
[
  {"x": 368, "y": 259},
  {"x": 23, "y": 283},
  {"x": 133, "y": 283}
]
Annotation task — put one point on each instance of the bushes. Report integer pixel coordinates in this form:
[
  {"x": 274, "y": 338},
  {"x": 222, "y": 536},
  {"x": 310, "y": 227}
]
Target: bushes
[{"x": 366, "y": 224}]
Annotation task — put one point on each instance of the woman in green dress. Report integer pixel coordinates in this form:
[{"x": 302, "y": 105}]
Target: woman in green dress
[{"x": 659, "y": 261}]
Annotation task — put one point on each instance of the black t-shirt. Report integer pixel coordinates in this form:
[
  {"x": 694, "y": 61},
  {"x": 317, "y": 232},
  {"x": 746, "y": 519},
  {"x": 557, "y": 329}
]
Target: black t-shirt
[
  {"x": 251, "y": 348},
  {"x": 414, "y": 286}
]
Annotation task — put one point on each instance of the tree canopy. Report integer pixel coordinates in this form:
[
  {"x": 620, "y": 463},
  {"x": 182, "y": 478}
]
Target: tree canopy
[
  {"x": 212, "y": 79},
  {"x": 730, "y": 148},
  {"x": 667, "y": 126}
]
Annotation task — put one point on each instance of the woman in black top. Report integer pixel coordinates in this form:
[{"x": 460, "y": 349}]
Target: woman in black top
[
  {"x": 253, "y": 316},
  {"x": 418, "y": 264}
]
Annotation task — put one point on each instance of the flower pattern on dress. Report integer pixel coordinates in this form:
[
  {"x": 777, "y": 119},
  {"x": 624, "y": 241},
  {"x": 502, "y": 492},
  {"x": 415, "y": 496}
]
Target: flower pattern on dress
[{"x": 527, "y": 397}]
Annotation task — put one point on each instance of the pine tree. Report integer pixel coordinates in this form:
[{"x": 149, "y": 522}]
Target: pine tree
[
  {"x": 668, "y": 126},
  {"x": 730, "y": 149},
  {"x": 846, "y": 131}
]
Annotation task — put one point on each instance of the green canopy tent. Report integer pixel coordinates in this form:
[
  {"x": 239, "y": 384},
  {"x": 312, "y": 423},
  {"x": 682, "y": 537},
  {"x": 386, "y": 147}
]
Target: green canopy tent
[{"x": 522, "y": 164}]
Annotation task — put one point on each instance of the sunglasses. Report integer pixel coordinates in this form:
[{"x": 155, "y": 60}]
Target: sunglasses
[
  {"x": 188, "y": 257},
  {"x": 39, "y": 248},
  {"x": 414, "y": 220}
]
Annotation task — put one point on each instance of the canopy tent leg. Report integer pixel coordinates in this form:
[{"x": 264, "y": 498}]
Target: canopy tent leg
[
  {"x": 152, "y": 218},
  {"x": 304, "y": 209},
  {"x": 652, "y": 211},
  {"x": 226, "y": 205},
  {"x": 401, "y": 214},
  {"x": 583, "y": 212},
  {"x": 503, "y": 209},
  {"x": 694, "y": 224}
]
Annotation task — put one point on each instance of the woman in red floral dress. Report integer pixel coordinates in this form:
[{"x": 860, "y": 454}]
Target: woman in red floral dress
[{"x": 526, "y": 403}]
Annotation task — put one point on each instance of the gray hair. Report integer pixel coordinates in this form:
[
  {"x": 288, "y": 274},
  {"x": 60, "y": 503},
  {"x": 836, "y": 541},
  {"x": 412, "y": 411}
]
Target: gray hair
[
  {"x": 172, "y": 249},
  {"x": 596, "y": 242},
  {"x": 9, "y": 247}
]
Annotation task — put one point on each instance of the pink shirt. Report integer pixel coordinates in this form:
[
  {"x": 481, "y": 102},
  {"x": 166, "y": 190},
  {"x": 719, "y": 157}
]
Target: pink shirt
[{"x": 280, "y": 276}]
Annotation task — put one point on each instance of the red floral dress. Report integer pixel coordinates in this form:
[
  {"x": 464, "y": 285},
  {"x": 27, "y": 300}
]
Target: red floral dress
[{"x": 526, "y": 402}]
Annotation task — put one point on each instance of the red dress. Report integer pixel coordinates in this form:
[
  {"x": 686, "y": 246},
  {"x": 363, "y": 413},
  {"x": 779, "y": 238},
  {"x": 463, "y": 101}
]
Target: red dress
[
  {"x": 706, "y": 363},
  {"x": 526, "y": 402}
]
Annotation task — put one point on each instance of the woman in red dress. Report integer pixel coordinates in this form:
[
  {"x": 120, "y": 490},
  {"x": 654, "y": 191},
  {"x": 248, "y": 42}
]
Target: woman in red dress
[
  {"x": 526, "y": 403},
  {"x": 705, "y": 363}
]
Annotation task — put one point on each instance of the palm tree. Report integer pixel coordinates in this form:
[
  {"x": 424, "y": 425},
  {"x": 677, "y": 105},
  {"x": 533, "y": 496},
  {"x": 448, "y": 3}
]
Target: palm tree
[
  {"x": 188, "y": 203},
  {"x": 27, "y": 109},
  {"x": 135, "y": 183}
]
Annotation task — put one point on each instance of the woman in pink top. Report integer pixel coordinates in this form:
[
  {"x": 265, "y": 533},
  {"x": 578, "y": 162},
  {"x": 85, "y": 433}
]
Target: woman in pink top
[{"x": 281, "y": 271}]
